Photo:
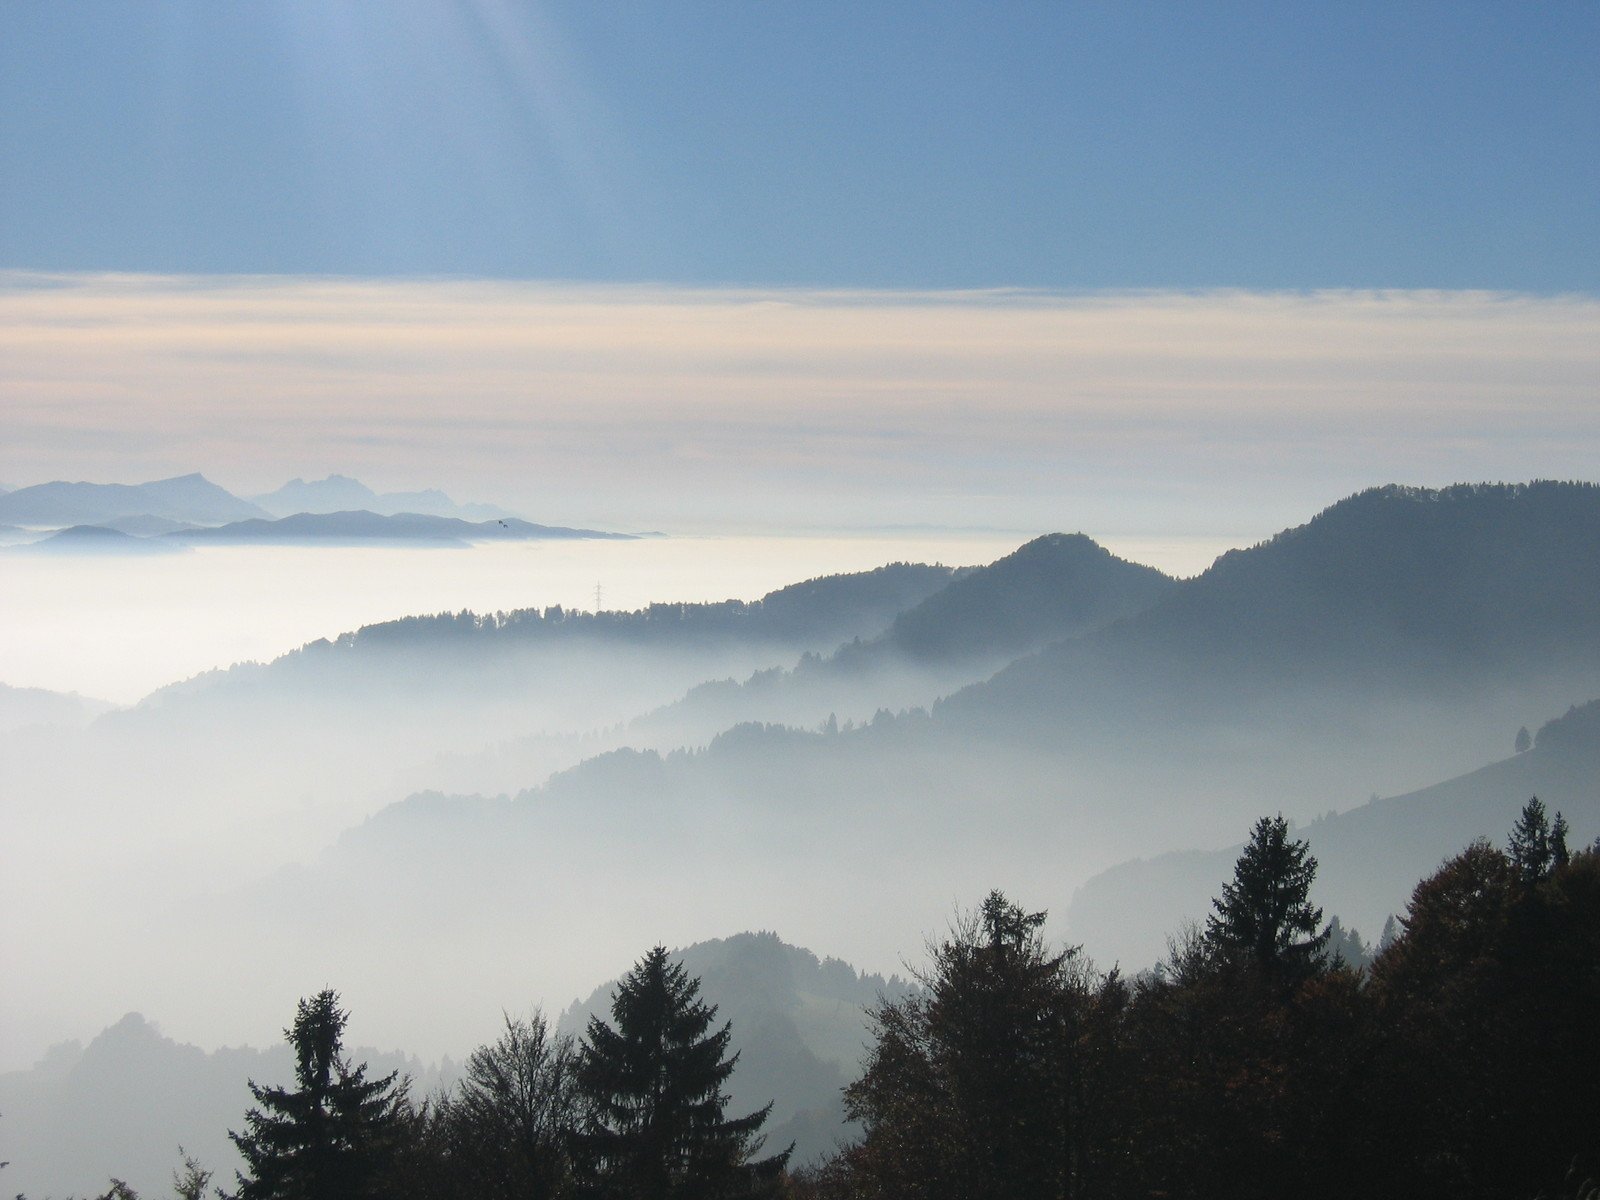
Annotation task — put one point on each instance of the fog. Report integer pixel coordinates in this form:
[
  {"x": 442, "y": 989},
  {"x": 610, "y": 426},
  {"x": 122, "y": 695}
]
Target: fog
[{"x": 449, "y": 816}]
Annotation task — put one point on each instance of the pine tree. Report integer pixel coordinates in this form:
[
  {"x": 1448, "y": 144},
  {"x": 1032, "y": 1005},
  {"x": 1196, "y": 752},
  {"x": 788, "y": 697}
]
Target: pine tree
[
  {"x": 332, "y": 1137},
  {"x": 1524, "y": 742},
  {"x": 1264, "y": 915},
  {"x": 1532, "y": 848},
  {"x": 654, "y": 1087}
]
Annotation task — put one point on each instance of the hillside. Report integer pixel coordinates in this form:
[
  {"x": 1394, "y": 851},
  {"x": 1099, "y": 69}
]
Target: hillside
[
  {"x": 1369, "y": 857},
  {"x": 799, "y": 1025},
  {"x": 1394, "y": 591},
  {"x": 124, "y": 1103},
  {"x": 1053, "y": 587}
]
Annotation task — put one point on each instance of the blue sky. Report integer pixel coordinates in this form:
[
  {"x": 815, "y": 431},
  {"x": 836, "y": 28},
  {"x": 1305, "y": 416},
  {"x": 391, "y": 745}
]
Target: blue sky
[
  {"x": 1129, "y": 268},
  {"x": 925, "y": 145}
]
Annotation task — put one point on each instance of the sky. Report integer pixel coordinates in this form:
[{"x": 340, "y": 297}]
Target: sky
[{"x": 1019, "y": 265}]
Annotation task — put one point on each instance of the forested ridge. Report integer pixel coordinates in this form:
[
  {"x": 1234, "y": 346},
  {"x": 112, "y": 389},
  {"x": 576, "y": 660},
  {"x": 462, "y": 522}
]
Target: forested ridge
[{"x": 1257, "y": 1060}]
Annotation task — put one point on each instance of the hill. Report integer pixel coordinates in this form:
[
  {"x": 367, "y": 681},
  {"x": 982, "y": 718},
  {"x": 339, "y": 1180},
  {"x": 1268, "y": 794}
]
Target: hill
[
  {"x": 22, "y": 707},
  {"x": 123, "y": 1104},
  {"x": 1369, "y": 857},
  {"x": 97, "y": 539},
  {"x": 1053, "y": 587},
  {"x": 192, "y": 499},
  {"x": 799, "y": 1026}
]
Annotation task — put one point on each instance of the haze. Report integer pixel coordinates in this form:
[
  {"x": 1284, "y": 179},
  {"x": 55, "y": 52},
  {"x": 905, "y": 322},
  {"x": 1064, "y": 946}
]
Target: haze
[{"x": 1056, "y": 437}]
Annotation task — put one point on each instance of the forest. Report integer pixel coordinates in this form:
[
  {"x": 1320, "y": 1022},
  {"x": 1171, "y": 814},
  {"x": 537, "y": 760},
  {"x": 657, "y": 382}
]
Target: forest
[{"x": 1257, "y": 1060}]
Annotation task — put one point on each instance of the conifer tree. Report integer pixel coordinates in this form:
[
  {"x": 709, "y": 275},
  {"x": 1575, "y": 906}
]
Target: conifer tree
[
  {"x": 334, "y": 1135},
  {"x": 1535, "y": 848},
  {"x": 654, "y": 1087},
  {"x": 1265, "y": 915}
]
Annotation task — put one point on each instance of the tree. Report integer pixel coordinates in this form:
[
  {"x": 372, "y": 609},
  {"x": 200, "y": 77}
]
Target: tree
[
  {"x": 978, "y": 1087},
  {"x": 1264, "y": 916},
  {"x": 507, "y": 1130},
  {"x": 1524, "y": 743},
  {"x": 1537, "y": 847},
  {"x": 655, "y": 1129},
  {"x": 334, "y": 1135}
]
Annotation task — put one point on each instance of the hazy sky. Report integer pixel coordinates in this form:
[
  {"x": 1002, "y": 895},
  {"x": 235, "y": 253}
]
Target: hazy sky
[{"x": 1118, "y": 267}]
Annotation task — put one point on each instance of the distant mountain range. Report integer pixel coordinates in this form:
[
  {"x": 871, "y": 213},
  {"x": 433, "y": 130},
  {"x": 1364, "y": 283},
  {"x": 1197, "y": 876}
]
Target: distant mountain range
[
  {"x": 191, "y": 509},
  {"x": 341, "y": 494},
  {"x": 187, "y": 498},
  {"x": 358, "y": 527}
]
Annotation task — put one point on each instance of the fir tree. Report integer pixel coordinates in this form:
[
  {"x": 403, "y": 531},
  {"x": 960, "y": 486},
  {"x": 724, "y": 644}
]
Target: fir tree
[
  {"x": 1264, "y": 915},
  {"x": 333, "y": 1136},
  {"x": 1536, "y": 848},
  {"x": 654, "y": 1087}
]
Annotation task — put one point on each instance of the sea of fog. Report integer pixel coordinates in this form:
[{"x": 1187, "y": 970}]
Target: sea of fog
[{"x": 117, "y": 627}]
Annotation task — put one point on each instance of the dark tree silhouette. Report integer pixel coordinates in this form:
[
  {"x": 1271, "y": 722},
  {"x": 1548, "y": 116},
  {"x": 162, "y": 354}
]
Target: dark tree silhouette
[
  {"x": 975, "y": 1088},
  {"x": 1524, "y": 742},
  {"x": 1536, "y": 847},
  {"x": 1265, "y": 915},
  {"x": 655, "y": 1129},
  {"x": 332, "y": 1137},
  {"x": 507, "y": 1128}
]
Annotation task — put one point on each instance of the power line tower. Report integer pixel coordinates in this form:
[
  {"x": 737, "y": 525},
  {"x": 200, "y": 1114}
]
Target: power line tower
[{"x": 597, "y": 597}]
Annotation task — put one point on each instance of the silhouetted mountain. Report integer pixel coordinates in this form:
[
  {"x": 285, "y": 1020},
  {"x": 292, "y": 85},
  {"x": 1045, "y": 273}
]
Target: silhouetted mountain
[
  {"x": 1057, "y": 586},
  {"x": 1367, "y": 652},
  {"x": 799, "y": 1026},
  {"x": 1369, "y": 857},
  {"x": 97, "y": 539},
  {"x": 1053, "y": 587},
  {"x": 188, "y": 498},
  {"x": 22, "y": 707},
  {"x": 362, "y": 526},
  {"x": 1392, "y": 592},
  {"x": 340, "y": 493}
]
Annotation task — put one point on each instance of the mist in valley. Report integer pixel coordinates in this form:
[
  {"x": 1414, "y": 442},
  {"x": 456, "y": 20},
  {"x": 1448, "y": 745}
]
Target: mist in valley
[{"x": 448, "y": 816}]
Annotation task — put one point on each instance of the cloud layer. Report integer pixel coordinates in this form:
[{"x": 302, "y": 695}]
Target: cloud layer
[{"x": 652, "y": 405}]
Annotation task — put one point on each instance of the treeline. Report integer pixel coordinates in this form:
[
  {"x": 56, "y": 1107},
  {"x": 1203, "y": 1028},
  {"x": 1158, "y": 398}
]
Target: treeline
[
  {"x": 1253, "y": 1063},
  {"x": 1256, "y": 1061},
  {"x": 826, "y": 607}
]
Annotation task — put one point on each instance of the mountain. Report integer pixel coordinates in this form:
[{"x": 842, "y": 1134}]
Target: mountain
[
  {"x": 192, "y": 499},
  {"x": 799, "y": 1026},
  {"x": 1370, "y": 651},
  {"x": 358, "y": 527},
  {"x": 1370, "y": 857},
  {"x": 98, "y": 539},
  {"x": 1053, "y": 587},
  {"x": 1394, "y": 592},
  {"x": 1056, "y": 586},
  {"x": 24, "y": 707},
  {"x": 340, "y": 493}
]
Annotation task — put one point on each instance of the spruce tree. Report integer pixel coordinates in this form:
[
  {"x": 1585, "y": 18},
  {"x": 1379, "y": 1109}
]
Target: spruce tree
[
  {"x": 1265, "y": 915},
  {"x": 654, "y": 1087},
  {"x": 1532, "y": 849},
  {"x": 333, "y": 1136}
]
